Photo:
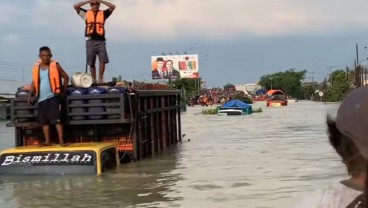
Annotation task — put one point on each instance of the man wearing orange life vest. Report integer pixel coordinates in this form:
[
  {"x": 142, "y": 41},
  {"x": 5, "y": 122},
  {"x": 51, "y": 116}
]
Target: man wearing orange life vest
[
  {"x": 95, "y": 34},
  {"x": 49, "y": 83}
]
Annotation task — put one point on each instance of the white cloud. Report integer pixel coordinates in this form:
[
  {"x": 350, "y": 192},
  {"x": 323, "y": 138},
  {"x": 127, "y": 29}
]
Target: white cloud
[
  {"x": 223, "y": 19},
  {"x": 194, "y": 19}
]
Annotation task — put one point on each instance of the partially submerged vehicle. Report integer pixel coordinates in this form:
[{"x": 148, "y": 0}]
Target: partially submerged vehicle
[
  {"x": 103, "y": 127},
  {"x": 77, "y": 158},
  {"x": 276, "y": 98},
  {"x": 235, "y": 107}
]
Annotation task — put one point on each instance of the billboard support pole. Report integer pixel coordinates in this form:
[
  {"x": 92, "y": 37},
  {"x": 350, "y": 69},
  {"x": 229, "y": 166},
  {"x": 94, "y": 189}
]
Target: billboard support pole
[{"x": 199, "y": 85}]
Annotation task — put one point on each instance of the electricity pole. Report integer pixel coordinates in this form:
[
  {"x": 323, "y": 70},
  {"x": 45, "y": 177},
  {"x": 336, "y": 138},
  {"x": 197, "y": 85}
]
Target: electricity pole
[{"x": 357, "y": 54}]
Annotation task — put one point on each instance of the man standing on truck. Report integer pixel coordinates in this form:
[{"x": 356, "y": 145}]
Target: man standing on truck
[
  {"x": 49, "y": 86},
  {"x": 95, "y": 34}
]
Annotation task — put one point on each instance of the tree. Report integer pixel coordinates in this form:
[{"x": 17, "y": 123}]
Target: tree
[
  {"x": 229, "y": 86},
  {"x": 289, "y": 81},
  {"x": 308, "y": 91},
  {"x": 338, "y": 86},
  {"x": 117, "y": 79},
  {"x": 191, "y": 86}
]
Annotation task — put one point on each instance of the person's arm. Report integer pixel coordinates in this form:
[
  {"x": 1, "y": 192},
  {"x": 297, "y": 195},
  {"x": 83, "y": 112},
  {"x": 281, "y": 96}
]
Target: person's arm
[
  {"x": 30, "y": 98},
  {"x": 65, "y": 78},
  {"x": 78, "y": 5},
  {"x": 108, "y": 4}
]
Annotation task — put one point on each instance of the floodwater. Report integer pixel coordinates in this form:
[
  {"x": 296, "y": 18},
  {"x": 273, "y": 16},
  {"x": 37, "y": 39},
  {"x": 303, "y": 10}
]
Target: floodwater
[{"x": 268, "y": 159}]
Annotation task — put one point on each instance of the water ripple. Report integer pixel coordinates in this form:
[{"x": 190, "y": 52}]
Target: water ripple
[{"x": 264, "y": 160}]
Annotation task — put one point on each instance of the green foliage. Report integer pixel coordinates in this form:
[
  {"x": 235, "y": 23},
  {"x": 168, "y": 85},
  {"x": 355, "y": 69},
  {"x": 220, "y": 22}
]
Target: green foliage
[
  {"x": 289, "y": 81},
  {"x": 228, "y": 86},
  {"x": 308, "y": 92},
  {"x": 338, "y": 87},
  {"x": 117, "y": 79},
  {"x": 258, "y": 110},
  {"x": 191, "y": 86},
  {"x": 334, "y": 88},
  {"x": 210, "y": 111}
]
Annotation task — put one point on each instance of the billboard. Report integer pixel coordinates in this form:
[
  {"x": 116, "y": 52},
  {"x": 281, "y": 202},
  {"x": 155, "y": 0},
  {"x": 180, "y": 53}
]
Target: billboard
[{"x": 174, "y": 66}]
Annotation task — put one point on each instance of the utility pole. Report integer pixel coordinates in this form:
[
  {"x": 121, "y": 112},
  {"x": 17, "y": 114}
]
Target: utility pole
[
  {"x": 358, "y": 76},
  {"x": 357, "y": 54},
  {"x": 313, "y": 87},
  {"x": 312, "y": 76},
  {"x": 271, "y": 78},
  {"x": 347, "y": 78},
  {"x": 199, "y": 84}
]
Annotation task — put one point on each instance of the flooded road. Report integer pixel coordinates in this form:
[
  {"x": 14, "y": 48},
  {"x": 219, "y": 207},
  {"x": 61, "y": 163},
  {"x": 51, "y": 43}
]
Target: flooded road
[{"x": 268, "y": 159}]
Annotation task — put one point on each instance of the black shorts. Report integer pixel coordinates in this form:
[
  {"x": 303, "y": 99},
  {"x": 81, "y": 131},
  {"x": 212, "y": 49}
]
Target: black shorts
[{"x": 49, "y": 111}]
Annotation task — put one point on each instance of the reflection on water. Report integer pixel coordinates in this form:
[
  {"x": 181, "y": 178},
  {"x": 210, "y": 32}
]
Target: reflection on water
[
  {"x": 145, "y": 184},
  {"x": 268, "y": 159}
]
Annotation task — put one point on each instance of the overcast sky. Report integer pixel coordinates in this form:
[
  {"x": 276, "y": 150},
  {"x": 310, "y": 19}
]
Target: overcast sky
[{"x": 237, "y": 41}]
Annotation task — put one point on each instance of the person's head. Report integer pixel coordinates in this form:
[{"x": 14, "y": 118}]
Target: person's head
[
  {"x": 169, "y": 64},
  {"x": 160, "y": 63},
  {"x": 95, "y": 6},
  {"x": 347, "y": 150},
  {"x": 348, "y": 134},
  {"x": 45, "y": 54}
]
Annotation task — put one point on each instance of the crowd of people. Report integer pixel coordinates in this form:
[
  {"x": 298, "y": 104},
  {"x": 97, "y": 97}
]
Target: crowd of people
[{"x": 212, "y": 96}]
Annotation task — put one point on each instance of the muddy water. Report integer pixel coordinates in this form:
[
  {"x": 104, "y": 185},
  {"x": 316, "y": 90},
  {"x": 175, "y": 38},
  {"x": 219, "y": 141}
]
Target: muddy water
[{"x": 268, "y": 159}]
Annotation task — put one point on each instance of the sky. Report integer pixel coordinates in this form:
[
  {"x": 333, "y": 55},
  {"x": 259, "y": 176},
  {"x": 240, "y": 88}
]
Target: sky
[{"x": 237, "y": 41}]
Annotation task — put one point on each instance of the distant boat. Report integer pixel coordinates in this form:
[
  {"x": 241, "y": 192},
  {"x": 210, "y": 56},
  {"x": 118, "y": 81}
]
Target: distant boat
[
  {"x": 234, "y": 107},
  {"x": 276, "y": 98}
]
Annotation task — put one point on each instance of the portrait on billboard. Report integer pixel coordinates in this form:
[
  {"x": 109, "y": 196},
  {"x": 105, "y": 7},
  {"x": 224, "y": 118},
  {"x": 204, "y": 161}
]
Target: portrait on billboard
[
  {"x": 171, "y": 72},
  {"x": 157, "y": 72},
  {"x": 174, "y": 66}
]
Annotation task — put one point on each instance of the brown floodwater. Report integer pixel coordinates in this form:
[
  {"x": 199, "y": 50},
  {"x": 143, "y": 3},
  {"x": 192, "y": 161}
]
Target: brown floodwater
[{"x": 268, "y": 159}]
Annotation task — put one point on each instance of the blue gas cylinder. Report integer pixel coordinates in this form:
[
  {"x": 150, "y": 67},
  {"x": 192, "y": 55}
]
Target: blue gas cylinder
[
  {"x": 21, "y": 101},
  {"x": 118, "y": 108},
  {"x": 73, "y": 92},
  {"x": 96, "y": 109}
]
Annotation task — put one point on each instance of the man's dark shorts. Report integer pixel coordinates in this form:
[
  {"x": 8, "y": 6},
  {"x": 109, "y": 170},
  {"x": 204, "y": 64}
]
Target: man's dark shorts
[
  {"x": 96, "y": 48},
  {"x": 49, "y": 111}
]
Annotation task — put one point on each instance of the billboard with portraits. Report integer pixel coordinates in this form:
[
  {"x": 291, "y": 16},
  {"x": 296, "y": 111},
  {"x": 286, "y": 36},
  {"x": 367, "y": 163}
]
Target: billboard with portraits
[{"x": 174, "y": 66}]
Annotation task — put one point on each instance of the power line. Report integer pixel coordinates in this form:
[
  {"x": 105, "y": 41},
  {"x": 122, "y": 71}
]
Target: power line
[{"x": 13, "y": 63}]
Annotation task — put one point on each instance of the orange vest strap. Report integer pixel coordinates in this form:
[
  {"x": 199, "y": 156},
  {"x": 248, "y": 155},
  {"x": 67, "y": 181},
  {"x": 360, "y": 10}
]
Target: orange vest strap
[{"x": 54, "y": 77}]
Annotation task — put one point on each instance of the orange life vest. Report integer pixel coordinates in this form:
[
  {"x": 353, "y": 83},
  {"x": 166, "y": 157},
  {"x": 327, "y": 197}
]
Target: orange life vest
[
  {"x": 54, "y": 77},
  {"x": 95, "y": 22}
]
